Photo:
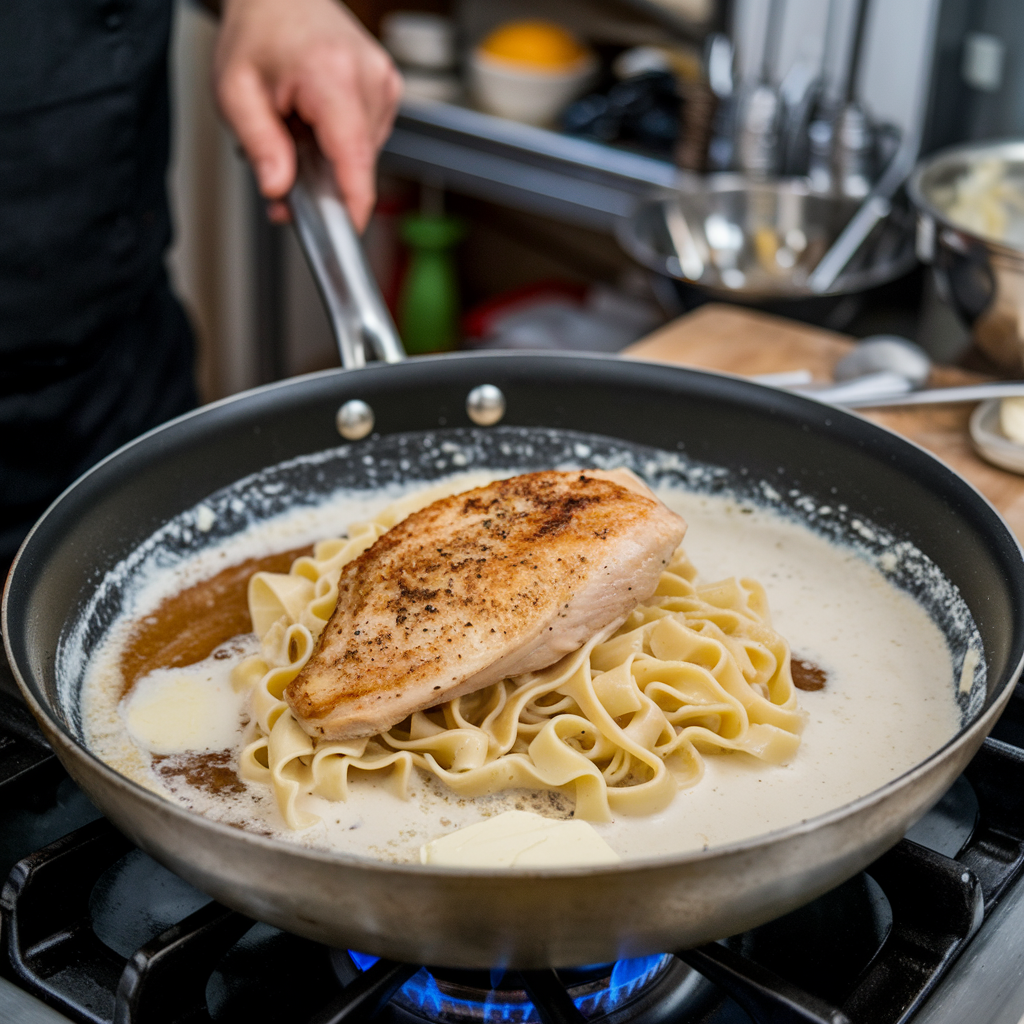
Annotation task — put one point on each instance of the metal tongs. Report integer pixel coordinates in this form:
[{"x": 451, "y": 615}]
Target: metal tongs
[{"x": 359, "y": 318}]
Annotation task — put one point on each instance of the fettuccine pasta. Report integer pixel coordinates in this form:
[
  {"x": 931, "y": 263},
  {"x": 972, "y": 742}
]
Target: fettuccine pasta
[{"x": 623, "y": 723}]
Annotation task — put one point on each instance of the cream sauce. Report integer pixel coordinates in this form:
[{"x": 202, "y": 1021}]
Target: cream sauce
[{"x": 888, "y": 703}]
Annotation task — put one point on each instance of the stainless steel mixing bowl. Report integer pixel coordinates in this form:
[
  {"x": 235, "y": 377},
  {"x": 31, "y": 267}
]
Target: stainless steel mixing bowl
[{"x": 747, "y": 241}]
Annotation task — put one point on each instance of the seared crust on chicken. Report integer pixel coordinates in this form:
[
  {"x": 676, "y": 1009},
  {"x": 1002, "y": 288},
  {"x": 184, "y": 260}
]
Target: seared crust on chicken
[{"x": 503, "y": 579}]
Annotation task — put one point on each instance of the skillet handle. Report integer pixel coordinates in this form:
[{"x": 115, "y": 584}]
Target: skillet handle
[{"x": 359, "y": 318}]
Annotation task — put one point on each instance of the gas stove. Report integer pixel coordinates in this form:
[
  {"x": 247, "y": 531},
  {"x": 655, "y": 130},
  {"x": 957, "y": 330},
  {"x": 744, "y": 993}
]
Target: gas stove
[{"x": 93, "y": 930}]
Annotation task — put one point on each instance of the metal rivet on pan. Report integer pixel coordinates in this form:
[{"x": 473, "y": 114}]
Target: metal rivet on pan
[
  {"x": 485, "y": 405},
  {"x": 354, "y": 419}
]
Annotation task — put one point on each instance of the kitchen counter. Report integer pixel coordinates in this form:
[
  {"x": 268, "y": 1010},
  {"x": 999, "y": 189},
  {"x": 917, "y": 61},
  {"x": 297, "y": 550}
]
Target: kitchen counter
[{"x": 742, "y": 341}]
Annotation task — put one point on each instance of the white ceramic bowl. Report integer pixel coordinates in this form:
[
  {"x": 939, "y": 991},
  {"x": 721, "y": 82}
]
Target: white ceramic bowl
[
  {"x": 991, "y": 443},
  {"x": 534, "y": 96},
  {"x": 420, "y": 40}
]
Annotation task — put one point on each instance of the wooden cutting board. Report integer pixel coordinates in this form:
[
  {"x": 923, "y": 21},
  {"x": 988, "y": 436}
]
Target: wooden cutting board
[{"x": 737, "y": 340}]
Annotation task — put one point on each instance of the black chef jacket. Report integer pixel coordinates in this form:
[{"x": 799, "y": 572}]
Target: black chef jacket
[{"x": 94, "y": 349}]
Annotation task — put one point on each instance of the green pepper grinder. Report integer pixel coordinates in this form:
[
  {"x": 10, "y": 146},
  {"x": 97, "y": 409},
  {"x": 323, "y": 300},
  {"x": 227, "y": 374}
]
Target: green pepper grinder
[{"x": 428, "y": 304}]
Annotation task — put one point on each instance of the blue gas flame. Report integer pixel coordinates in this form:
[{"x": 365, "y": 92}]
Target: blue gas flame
[
  {"x": 362, "y": 960},
  {"x": 421, "y": 992}
]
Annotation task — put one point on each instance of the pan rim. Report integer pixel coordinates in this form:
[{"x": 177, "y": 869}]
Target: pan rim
[{"x": 75, "y": 750}]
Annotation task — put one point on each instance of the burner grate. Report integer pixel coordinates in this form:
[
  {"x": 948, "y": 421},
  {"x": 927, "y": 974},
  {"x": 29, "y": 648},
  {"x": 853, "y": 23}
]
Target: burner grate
[
  {"x": 651, "y": 989},
  {"x": 882, "y": 941}
]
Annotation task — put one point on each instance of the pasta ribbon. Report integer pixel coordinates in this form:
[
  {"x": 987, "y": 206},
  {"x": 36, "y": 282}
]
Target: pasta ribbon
[{"x": 621, "y": 724}]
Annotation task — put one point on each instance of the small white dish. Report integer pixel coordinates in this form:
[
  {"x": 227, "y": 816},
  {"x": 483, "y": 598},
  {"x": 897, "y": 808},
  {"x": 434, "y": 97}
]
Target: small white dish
[
  {"x": 522, "y": 93},
  {"x": 989, "y": 440},
  {"x": 420, "y": 40}
]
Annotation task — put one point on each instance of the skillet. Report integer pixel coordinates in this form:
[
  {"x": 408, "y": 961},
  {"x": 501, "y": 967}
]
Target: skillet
[{"x": 721, "y": 433}]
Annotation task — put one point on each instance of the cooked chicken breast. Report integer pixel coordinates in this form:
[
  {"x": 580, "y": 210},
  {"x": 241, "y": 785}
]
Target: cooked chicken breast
[{"x": 503, "y": 579}]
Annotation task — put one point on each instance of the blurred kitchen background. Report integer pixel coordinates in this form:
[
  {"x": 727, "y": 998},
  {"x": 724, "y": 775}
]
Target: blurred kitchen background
[{"x": 577, "y": 172}]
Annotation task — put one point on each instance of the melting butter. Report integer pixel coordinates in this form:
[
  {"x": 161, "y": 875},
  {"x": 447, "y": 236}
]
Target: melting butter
[
  {"x": 171, "y": 711},
  {"x": 520, "y": 839}
]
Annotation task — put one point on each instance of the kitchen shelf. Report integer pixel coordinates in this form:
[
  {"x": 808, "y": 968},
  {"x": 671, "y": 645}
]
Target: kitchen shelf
[{"x": 521, "y": 166}]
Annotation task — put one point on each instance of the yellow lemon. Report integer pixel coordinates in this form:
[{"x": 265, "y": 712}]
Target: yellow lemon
[{"x": 539, "y": 44}]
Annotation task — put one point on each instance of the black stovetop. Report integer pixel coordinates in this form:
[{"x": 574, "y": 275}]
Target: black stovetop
[{"x": 102, "y": 933}]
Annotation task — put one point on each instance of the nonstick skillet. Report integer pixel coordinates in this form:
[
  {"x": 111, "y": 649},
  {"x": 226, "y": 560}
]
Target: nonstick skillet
[{"x": 254, "y": 455}]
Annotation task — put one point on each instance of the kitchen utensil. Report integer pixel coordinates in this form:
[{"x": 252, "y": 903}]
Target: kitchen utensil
[
  {"x": 799, "y": 92},
  {"x": 879, "y": 369},
  {"x": 881, "y": 386},
  {"x": 759, "y": 113},
  {"x": 939, "y": 396},
  {"x": 763, "y": 239},
  {"x": 690, "y": 260},
  {"x": 852, "y": 135},
  {"x": 556, "y": 404},
  {"x": 757, "y": 138},
  {"x": 886, "y": 352},
  {"x": 855, "y": 150},
  {"x": 359, "y": 318},
  {"x": 990, "y": 442},
  {"x": 554, "y": 917},
  {"x": 719, "y": 55},
  {"x": 845, "y": 130},
  {"x": 979, "y": 273},
  {"x": 784, "y": 378}
]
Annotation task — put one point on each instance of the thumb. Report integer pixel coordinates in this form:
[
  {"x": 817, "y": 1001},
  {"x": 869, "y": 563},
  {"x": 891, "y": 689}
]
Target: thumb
[{"x": 247, "y": 107}]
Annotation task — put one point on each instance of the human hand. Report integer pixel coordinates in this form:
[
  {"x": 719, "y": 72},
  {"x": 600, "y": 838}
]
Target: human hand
[{"x": 313, "y": 59}]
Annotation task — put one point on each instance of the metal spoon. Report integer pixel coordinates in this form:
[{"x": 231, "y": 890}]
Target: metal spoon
[
  {"x": 889, "y": 353},
  {"x": 875, "y": 368},
  {"x": 884, "y": 371},
  {"x": 880, "y": 368},
  {"x": 871, "y": 388},
  {"x": 942, "y": 396}
]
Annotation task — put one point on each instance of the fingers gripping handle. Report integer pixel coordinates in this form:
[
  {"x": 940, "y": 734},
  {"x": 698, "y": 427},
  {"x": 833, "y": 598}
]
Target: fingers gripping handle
[{"x": 360, "y": 319}]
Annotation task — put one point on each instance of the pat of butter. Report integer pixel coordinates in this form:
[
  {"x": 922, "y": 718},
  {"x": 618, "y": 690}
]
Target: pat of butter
[
  {"x": 519, "y": 839},
  {"x": 170, "y": 711},
  {"x": 1011, "y": 419},
  {"x": 971, "y": 661}
]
